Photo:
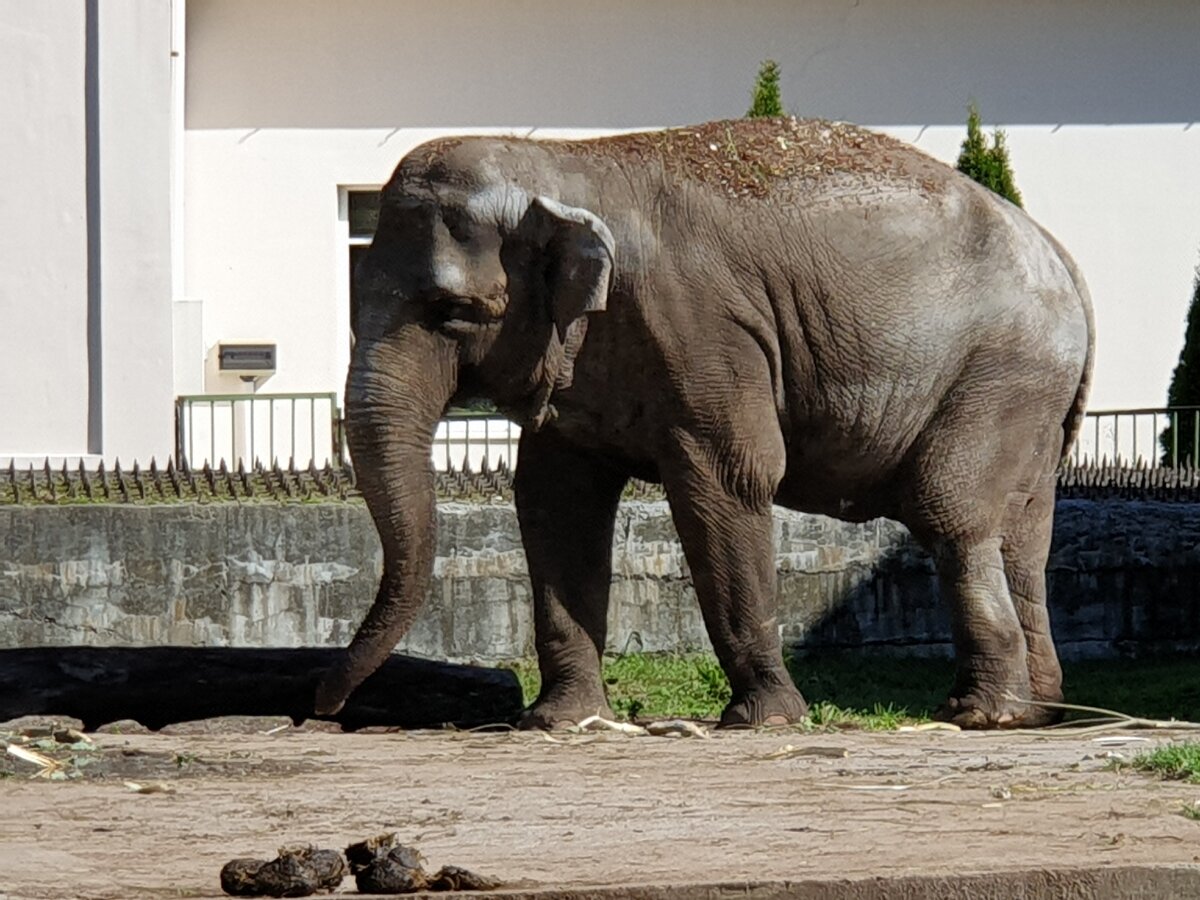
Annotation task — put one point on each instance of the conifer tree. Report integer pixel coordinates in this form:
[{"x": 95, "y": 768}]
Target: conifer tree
[
  {"x": 767, "y": 101},
  {"x": 987, "y": 163},
  {"x": 1185, "y": 389}
]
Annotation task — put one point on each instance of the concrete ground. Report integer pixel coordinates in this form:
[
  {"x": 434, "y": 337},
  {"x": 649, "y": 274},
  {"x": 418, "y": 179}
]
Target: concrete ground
[{"x": 751, "y": 815}]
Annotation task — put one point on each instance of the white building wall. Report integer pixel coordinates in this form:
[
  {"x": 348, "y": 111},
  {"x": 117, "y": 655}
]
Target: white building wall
[
  {"x": 43, "y": 228},
  {"x": 85, "y": 254},
  {"x": 288, "y": 100},
  {"x": 135, "y": 229}
]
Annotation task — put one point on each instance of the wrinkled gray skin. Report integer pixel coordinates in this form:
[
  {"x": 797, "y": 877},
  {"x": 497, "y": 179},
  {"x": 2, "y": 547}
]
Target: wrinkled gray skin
[{"x": 867, "y": 334}]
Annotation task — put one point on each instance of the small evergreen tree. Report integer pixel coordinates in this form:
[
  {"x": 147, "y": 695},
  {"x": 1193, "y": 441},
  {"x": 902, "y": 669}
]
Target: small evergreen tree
[
  {"x": 767, "y": 102},
  {"x": 987, "y": 164},
  {"x": 1185, "y": 388}
]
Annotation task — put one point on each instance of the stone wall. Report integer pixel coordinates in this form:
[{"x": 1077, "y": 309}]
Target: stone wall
[{"x": 1122, "y": 577}]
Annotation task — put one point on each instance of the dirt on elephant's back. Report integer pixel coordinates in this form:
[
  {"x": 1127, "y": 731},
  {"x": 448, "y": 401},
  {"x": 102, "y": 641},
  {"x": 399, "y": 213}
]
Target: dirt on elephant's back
[
  {"x": 593, "y": 810},
  {"x": 749, "y": 157}
]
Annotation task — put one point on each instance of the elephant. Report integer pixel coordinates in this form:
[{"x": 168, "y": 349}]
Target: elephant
[{"x": 750, "y": 313}]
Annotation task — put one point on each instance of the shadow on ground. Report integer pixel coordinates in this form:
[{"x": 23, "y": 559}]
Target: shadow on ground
[
  {"x": 159, "y": 686},
  {"x": 1159, "y": 688}
]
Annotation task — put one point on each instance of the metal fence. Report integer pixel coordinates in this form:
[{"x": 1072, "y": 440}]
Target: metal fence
[
  {"x": 308, "y": 429},
  {"x": 1140, "y": 437},
  {"x": 475, "y": 441},
  {"x": 1154, "y": 438},
  {"x": 293, "y": 429}
]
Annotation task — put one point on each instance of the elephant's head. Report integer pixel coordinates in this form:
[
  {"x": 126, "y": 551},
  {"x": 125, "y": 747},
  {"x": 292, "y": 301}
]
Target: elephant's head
[{"x": 473, "y": 285}]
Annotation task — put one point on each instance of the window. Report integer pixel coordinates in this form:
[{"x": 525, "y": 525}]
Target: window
[{"x": 362, "y": 216}]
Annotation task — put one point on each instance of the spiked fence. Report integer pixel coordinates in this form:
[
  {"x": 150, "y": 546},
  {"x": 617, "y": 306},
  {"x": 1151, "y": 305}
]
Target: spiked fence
[
  {"x": 172, "y": 484},
  {"x": 181, "y": 484},
  {"x": 1103, "y": 481}
]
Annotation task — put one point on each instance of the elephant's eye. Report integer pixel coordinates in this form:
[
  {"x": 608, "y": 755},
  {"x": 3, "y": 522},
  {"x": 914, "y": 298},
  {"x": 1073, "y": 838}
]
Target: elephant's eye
[{"x": 457, "y": 224}]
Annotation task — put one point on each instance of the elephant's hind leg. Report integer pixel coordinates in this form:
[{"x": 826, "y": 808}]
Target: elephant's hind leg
[
  {"x": 567, "y": 504},
  {"x": 989, "y": 645},
  {"x": 1028, "y": 529},
  {"x": 973, "y": 510}
]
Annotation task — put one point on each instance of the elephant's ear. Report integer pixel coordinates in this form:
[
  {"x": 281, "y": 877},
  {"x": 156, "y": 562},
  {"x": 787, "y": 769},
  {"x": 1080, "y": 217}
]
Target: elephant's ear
[{"x": 578, "y": 250}]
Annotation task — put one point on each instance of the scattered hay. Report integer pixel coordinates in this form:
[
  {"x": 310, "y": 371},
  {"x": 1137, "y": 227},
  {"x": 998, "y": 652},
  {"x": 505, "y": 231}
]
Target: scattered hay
[
  {"x": 58, "y": 751},
  {"x": 677, "y": 728},
  {"x": 928, "y": 726},
  {"x": 748, "y": 157},
  {"x": 32, "y": 756},
  {"x": 743, "y": 158},
  {"x": 599, "y": 723},
  {"x": 1106, "y": 719},
  {"x": 791, "y": 751},
  {"x": 889, "y": 788},
  {"x": 154, "y": 787}
]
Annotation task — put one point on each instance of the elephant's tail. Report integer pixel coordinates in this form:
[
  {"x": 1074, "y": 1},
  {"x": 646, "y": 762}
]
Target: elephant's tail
[{"x": 1074, "y": 421}]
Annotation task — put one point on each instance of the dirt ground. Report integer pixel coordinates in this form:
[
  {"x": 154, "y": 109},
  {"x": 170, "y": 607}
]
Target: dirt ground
[{"x": 589, "y": 810}]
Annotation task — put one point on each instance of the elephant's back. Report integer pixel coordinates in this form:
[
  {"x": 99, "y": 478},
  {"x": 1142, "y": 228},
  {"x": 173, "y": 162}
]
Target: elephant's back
[{"x": 766, "y": 159}]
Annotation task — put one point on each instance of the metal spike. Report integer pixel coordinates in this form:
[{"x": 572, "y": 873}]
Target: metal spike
[{"x": 48, "y": 474}]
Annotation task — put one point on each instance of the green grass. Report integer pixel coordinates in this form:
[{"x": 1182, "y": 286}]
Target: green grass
[
  {"x": 1175, "y": 762},
  {"x": 652, "y": 685},
  {"x": 873, "y": 691},
  {"x": 656, "y": 686},
  {"x": 879, "y": 717}
]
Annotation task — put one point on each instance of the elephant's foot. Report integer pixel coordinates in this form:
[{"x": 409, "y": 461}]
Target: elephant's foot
[
  {"x": 1045, "y": 682},
  {"x": 556, "y": 713},
  {"x": 776, "y": 705},
  {"x": 980, "y": 710}
]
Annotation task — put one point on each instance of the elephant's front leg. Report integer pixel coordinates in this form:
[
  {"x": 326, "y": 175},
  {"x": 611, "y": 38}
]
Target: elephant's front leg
[
  {"x": 567, "y": 504},
  {"x": 721, "y": 493}
]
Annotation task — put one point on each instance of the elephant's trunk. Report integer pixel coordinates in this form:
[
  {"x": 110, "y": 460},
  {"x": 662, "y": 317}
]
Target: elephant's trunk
[{"x": 397, "y": 389}]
